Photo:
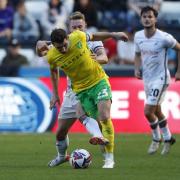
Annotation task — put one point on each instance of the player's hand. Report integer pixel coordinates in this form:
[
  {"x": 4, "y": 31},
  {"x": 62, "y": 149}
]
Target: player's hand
[
  {"x": 121, "y": 36},
  {"x": 177, "y": 76},
  {"x": 42, "y": 48},
  {"x": 54, "y": 100},
  {"x": 138, "y": 74}
]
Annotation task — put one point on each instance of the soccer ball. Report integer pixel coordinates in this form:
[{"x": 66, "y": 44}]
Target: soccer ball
[{"x": 80, "y": 159}]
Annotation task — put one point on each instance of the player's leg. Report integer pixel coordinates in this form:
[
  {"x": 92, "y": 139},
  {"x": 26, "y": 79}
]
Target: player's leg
[
  {"x": 102, "y": 97},
  {"x": 62, "y": 142},
  {"x": 88, "y": 121},
  {"x": 104, "y": 107},
  {"x": 66, "y": 119},
  {"x": 149, "y": 112},
  {"x": 166, "y": 133},
  {"x": 163, "y": 124},
  {"x": 152, "y": 91},
  {"x": 80, "y": 114}
]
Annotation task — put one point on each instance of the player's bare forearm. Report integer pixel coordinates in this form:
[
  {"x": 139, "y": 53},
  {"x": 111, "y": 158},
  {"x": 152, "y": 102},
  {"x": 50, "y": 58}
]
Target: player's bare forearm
[
  {"x": 177, "y": 75},
  {"x": 178, "y": 63},
  {"x": 101, "y": 36},
  {"x": 55, "y": 79},
  {"x": 137, "y": 64},
  {"x": 137, "y": 61}
]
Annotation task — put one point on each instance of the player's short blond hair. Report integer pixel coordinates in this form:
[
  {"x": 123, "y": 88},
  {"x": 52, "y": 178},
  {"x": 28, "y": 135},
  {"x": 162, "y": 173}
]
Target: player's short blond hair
[{"x": 77, "y": 15}]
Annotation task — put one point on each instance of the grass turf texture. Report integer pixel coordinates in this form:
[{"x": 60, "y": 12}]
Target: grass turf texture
[{"x": 25, "y": 157}]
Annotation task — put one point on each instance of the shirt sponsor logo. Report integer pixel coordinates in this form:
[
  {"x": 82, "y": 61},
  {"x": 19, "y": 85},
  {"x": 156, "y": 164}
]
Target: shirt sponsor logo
[{"x": 79, "y": 45}]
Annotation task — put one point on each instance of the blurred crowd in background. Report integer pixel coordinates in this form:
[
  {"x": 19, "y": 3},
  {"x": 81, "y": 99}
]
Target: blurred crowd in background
[{"x": 23, "y": 22}]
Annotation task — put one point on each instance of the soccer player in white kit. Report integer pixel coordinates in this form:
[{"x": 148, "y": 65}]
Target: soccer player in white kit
[
  {"x": 151, "y": 55},
  {"x": 71, "y": 109}
]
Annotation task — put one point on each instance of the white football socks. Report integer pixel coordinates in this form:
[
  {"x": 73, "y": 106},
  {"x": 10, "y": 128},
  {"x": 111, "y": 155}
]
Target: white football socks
[
  {"x": 165, "y": 129},
  {"x": 61, "y": 146},
  {"x": 109, "y": 156},
  {"x": 156, "y": 134},
  {"x": 92, "y": 127}
]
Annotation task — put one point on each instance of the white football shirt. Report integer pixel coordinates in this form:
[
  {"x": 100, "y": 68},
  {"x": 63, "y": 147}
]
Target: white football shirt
[{"x": 154, "y": 55}]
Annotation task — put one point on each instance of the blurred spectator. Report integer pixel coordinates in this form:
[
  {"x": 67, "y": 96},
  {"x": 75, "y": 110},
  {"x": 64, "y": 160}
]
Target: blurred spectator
[
  {"x": 110, "y": 46},
  {"x": 172, "y": 59},
  {"x": 13, "y": 3},
  {"x": 56, "y": 16},
  {"x": 135, "y": 7},
  {"x": 25, "y": 26},
  {"x": 13, "y": 59},
  {"x": 109, "y": 5},
  {"x": 69, "y": 5},
  {"x": 88, "y": 8},
  {"x": 6, "y": 21},
  {"x": 126, "y": 50}
]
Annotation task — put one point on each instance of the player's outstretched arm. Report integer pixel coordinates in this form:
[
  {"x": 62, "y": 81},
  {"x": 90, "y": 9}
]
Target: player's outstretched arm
[
  {"x": 177, "y": 75},
  {"x": 100, "y": 36},
  {"x": 137, "y": 64}
]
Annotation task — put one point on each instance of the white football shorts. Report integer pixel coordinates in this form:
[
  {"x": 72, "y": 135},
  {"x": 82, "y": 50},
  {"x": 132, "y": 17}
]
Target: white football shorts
[
  {"x": 68, "y": 106},
  {"x": 155, "y": 92}
]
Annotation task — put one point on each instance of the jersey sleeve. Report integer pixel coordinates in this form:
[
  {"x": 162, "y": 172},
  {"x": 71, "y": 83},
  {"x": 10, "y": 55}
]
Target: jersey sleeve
[
  {"x": 137, "y": 49},
  {"x": 170, "y": 41},
  {"x": 95, "y": 45},
  {"x": 88, "y": 37}
]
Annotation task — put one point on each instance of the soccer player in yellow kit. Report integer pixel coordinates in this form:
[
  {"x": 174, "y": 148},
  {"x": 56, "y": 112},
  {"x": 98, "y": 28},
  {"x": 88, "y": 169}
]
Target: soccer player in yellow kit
[{"x": 89, "y": 80}]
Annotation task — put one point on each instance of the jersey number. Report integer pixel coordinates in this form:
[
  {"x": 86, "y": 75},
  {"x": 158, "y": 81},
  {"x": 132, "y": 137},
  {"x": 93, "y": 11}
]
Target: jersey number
[
  {"x": 103, "y": 93},
  {"x": 154, "y": 92}
]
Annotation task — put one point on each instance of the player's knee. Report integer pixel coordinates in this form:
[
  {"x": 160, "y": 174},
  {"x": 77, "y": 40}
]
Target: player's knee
[
  {"x": 148, "y": 113},
  {"x": 104, "y": 116},
  {"x": 159, "y": 114},
  {"x": 79, "y": 111}
]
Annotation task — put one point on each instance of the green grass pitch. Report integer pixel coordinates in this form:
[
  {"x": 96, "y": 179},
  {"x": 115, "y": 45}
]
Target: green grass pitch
[{"x": 25, "y": 157}]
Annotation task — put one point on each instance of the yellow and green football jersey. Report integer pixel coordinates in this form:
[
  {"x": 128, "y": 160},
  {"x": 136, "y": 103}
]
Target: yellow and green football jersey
[{"x": 77, "y": 63}]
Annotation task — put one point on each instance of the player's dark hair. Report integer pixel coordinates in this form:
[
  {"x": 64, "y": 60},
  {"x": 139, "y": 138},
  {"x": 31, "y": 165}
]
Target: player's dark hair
[
  {"x": 149, "y": 8},
  {"x": 58, "y": 35}
]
